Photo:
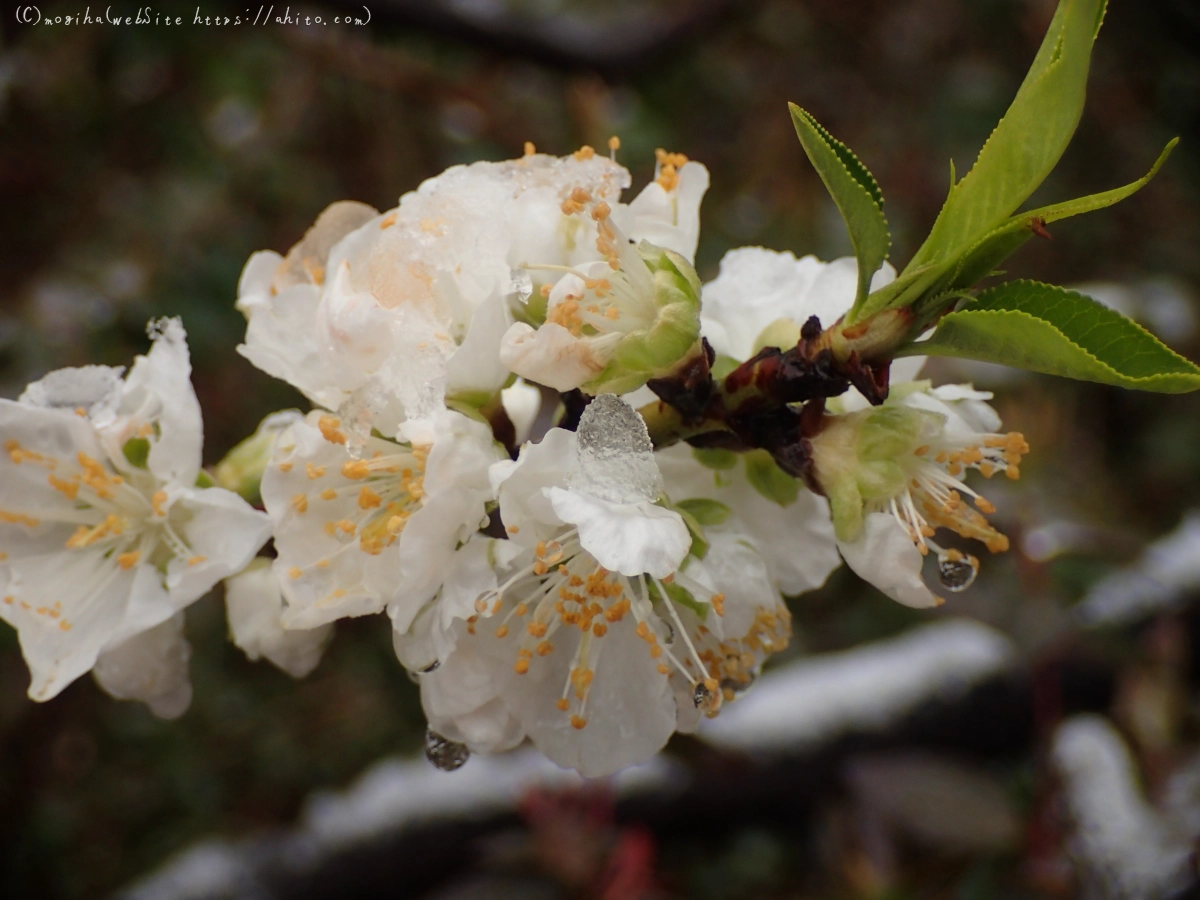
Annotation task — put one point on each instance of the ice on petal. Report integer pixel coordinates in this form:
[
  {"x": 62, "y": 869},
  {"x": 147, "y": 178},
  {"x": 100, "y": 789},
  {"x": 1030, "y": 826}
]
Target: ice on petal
[
  {"x": 615, "y": 459},
  {"x": 96, "y": 389}
]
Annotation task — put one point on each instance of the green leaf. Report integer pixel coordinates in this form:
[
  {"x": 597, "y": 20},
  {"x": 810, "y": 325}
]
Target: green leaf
[
  {"x": 768, "y": 479},
  {"x": 855, "y": 192},
  {"x": 137, "y": 451},
  {"x": 705, "y": 510},
  {"x": 1029, "y": 140},
  {"x": 1049, "y": 329},
  {"x": 981, "y": 259}
]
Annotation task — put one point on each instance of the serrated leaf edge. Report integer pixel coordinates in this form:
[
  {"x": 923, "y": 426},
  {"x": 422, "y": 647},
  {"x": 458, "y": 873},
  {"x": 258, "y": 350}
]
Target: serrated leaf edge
[{"x": 916, "y": 348}]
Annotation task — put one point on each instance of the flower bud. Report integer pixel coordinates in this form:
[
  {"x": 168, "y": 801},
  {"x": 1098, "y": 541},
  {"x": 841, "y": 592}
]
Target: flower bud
[{"x": 241, "y": 470}]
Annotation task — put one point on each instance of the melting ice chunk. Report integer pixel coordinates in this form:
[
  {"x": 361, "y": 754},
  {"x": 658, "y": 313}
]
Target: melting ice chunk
[{"x": 615, "y": 456}]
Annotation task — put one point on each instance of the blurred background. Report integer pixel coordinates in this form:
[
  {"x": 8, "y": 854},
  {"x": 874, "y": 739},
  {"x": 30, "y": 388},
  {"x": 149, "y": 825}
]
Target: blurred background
[{"x": 139, "y": 168}]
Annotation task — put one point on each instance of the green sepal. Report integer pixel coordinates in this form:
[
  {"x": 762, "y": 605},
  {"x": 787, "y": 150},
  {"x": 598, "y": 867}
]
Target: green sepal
[
  {"x": 137, "y": 452},
  {"x": 680, "y": 595},
  {"x": 204, "y": 480},
  {"x": 723, "y": 366},
  {"x": 674, "y": 335},
  {"x": 855, "y": 192},
  {"x": 715, "y": 458},
  {"x": 468, "y": 407},
  {"x": 705, "y": 510},
  {"x": 769, "y": 480},
  {"x": 699, "y": 548},
  {"x": 1045, "y": 328}
]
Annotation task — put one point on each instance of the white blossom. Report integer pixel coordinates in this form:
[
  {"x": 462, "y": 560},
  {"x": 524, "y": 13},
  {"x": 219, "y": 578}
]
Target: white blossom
[
  {"x": 357, "y": 533},
  {"x": 614, "y": 323},
  {"x": 104, "y": 533},
  {"x": 408, "y": 305},
  {"x": 893, "y": 475},
  {"x": 599, "y": 636}
]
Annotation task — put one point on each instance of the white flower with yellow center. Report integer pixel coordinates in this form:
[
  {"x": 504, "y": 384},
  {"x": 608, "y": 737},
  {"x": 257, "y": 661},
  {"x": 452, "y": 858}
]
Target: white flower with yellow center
[
  {"x": 597, "y": 638},
  {"x": 407, "y": 306},
  {"x": 613, "y": 324},
  {"x": 894, "y": 475},
  {"x": 104, "y": 535},
  {"x": 357, "y": 532}
]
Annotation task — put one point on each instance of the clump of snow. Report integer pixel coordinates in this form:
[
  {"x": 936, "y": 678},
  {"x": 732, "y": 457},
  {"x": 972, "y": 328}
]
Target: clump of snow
[
  {"x": 1123, "y": 849},
  {"x": 867, "y": 688}
]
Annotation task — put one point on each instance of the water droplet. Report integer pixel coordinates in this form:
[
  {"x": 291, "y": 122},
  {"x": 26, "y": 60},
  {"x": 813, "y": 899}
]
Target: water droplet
[
  {"x": 444, "y": 753},
  {"x": 706, "y": 699},
  {"x": 520, "y": 285},
  {"x": 956, "y": 571}
]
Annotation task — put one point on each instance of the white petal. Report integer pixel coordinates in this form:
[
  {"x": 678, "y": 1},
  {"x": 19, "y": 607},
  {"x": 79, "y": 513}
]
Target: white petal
[
  {"x": 519, "y": 486},
  {"x": 223, "y": 533},
  {"x": 754, "y": 287},
  {"x": 254, "y": 285},
  {"x": 151, "y": 667},
  {"x": 254, "y": 606},
  {"x": 308, "y": 260},
  {"x": 456, "y": 493},
  {"x": 885, "y": 556},
  {"x": 99, "y": 605},
  {"x": 630, "y": 710},
  {"x": 640, "y": 397},
  {"x": 906, "y": 368},
  {"x": 476, "y": 365},
  {"x": 795, "y": 540},
  {"x": 551, "y": 355},
  {"x": 492, "y": 728},
  {"x": 281, "y": 340},
  {"x": 159, "y": 391},
  {"x": 630, "y": 538},
  {"x": 735, "y": 567},
  {"x": 670, "y": 220}
]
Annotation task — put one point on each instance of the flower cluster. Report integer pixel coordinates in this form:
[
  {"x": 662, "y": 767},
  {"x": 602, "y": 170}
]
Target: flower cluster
[{"x": 485, "y": 363}]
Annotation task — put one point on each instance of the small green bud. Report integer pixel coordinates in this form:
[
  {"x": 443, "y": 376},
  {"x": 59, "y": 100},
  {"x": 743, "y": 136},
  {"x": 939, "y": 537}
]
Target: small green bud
[{"x": 241, "y": 470}]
